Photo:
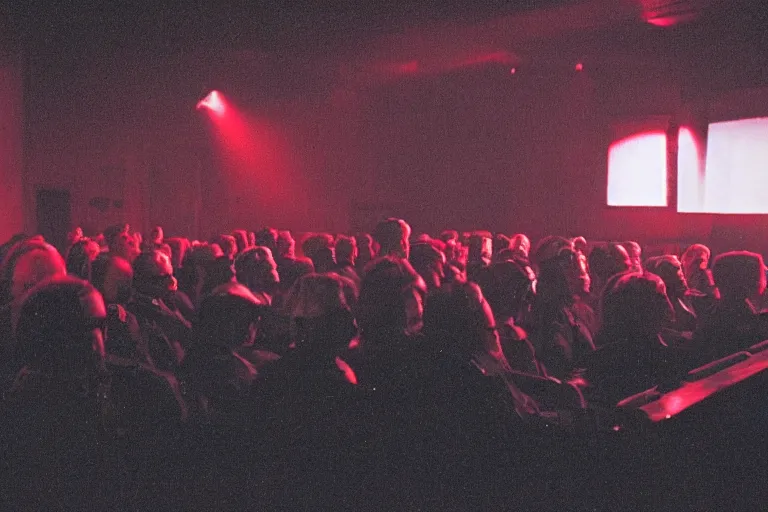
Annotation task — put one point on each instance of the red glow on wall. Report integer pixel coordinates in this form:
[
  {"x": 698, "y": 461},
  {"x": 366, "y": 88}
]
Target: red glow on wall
[
  {"x": 407, "y": 68},
  {"x": 445, "y": 63},
  {"x": 500, "y": 57},
  {"x": 662, "y": 22},
  {"x": 637, "y": 170},
  {"x": 668, "y": 13},
  {"x": 214, "y": 102},
  {"x": 255, "y": 163}
]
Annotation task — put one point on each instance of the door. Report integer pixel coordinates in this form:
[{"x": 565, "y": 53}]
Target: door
[{"x": 54, "y": 216}]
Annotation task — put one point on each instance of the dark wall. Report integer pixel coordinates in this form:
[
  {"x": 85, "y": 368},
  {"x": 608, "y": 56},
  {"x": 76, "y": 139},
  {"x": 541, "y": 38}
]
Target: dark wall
[
  {"x": 11, "y": 146},
  {"x": 469, "y": 148}
]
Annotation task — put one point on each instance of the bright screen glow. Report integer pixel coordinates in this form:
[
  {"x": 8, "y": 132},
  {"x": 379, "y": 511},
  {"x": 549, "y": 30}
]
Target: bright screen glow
[
  {"x": 736, "y": 172},
  {"x": 637, "y": 170},
  {"x": 690, "y": 172}
]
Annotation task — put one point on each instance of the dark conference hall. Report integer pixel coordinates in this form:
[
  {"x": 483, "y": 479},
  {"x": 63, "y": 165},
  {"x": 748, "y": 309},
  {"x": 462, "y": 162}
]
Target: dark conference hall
[{"x": 408, "y": 255}]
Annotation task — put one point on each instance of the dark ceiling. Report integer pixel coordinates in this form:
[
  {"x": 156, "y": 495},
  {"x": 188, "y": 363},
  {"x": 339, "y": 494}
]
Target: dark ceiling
[
  {"x": 171, "y": 25},
  {"x": 55, "y": 34}
]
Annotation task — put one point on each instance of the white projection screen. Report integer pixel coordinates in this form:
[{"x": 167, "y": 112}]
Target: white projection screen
[
  {"x": 637, "y": 170},
  {"x": 735, "y": 177},
  {"x": 722, "y": 168}
]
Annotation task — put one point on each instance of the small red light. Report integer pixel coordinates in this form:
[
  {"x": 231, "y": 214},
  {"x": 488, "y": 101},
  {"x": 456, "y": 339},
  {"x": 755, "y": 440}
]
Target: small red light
[
  {"x": 512, "y": 71},
  {"x": 579, "y": 67}
]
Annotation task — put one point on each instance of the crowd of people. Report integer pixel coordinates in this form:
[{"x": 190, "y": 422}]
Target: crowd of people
[{"x": 164, "y": 373}]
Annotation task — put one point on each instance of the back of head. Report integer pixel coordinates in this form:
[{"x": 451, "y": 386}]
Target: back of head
[
  {"x": 324, "y": 259},
  {"x": 480, "y": 247},
  {"x": 510, "y": 290},
  {"x": 429, "y": 262},
  {"x": 228, "y": 245},
  {"x": 286, "y": 245},
  {"x": 460, "y": 315},
  {"x": 112, "y": 233},
  {"x": 739, "y": 275},
  {"x": 634, "y": 305},
  {"x": 28, "y": 263},
  {"x": 256, "y": 268},
  {"x": 667, "y": 267},
  {"x": 549, "y": 247},
  {"x": 556, "y": 273},
  {"x": 320, "y": 315},
  {"x": 290, "y": 275},
  {"x": 393, "y": 235},
  {"x": 113, "y": 277},
  {"x": 58, "y": 327},
  {"x": 388, "y": 287},
  {"x": 346, "y": 249},
  {"x": 79, "y": 258},
  {"x": 226, "y": 315},
  {"x": 365, "y": 251},
  {"x": 608, "y": 260},
  {"x": 317, "y": 295},
  {"x": 267, "y": 237},
  {"x": 201, "y": 255},
  {"x": 314, "y": 242}
]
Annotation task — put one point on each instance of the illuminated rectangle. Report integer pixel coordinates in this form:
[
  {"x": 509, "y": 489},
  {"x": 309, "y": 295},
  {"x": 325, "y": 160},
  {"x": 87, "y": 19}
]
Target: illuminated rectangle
[
  {"x": 736, "y": 172},
  {"x": 637, "y": 170}
]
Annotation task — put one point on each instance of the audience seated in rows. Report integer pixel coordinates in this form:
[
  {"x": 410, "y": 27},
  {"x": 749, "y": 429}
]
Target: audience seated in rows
[{"x": 436, "y": 363}]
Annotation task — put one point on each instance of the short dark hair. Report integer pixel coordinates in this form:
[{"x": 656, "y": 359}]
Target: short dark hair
[{"x": 389, "y": 234}]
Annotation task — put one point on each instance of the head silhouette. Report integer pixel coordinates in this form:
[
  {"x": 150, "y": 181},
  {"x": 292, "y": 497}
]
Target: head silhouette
[
  {"x": 393, "y": 236},
  {"x": 59, "y": 327}
]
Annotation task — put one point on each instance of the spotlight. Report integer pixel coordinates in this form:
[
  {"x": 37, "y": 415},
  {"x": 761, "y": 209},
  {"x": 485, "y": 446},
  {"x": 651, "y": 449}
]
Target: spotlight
[{"x": 213, "y": 102}]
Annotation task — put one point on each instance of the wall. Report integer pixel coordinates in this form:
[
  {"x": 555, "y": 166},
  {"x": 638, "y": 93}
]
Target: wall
[
  {"x": 466, "y": 148},
  {"x": 11, "y": 147}
]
